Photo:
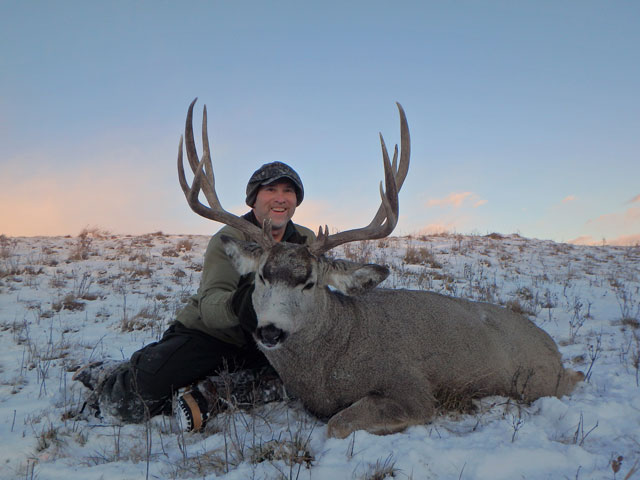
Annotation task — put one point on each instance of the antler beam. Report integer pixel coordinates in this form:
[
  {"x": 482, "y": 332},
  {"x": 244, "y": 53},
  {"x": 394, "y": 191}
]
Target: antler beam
[
  {"x": 386, "y": 218},
  {"x": 204, "y": 180}
]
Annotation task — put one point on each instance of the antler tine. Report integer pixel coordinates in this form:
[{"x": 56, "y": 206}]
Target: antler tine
[
  {"x": 206, "y": 152},
  {"x": 190, "y": 144},
  {"x": 204, "y": 180},
  {"x": 400, "y": 171},
  {"x": 209, "y": 185},
  {"x": 181, "y": 177},
  {"x": 386, "y": 219}
]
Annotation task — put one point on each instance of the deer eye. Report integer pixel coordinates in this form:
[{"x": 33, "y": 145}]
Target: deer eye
[{"x": 308, "y": 286}]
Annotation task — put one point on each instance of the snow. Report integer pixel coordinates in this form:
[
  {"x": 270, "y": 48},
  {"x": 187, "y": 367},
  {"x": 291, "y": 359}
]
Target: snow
[{"x": 65, "y": 301}]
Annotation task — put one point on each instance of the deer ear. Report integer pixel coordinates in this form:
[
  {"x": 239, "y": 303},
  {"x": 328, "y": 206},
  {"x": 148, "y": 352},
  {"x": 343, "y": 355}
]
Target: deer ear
[
  {"x": 244, "y": 255},
  {"x": 352, "y": 278}
]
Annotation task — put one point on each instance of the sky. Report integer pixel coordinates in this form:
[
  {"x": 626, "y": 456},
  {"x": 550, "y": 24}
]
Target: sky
[{"x": 524, "y": 115}]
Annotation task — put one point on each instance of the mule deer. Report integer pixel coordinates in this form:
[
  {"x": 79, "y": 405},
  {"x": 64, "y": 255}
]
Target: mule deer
[{"x": 371, "y": 358}]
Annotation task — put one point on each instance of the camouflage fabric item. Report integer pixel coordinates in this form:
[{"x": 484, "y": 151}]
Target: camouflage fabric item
[
  {"x": 111, "y": 400},
  {"x": 269, "y": 173},
  {"x": 244, "y": 389}
]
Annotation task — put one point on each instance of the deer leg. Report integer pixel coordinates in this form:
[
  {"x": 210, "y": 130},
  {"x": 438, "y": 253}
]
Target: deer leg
[{"x": 375, "y": 414}]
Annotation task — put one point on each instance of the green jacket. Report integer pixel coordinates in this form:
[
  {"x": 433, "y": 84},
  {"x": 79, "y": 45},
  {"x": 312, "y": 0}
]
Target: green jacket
[{"x": 209, "y": 310}]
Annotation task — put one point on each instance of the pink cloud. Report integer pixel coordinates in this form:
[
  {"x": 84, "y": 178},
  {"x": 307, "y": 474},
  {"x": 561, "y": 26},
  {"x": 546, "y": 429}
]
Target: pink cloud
[
  {"x": 438, "y": 228},
  {"x": 569, "y": 199},
  {"x": 635, "y": 199},
  {"x": 621, "y": 241},
  {"x": 51, "y": 201},
  {"x": 61, "y": 206},
  {"x": 456, "y": 200},
  {"x": 630, "y": 218},
  {"x": 313, "y": 213},
  {"x": 584, "y": 240},
  {"x": 625, "y": 240}
]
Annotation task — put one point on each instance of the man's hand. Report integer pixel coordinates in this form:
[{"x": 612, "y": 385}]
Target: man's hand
[{"x": 241, "y": 303}]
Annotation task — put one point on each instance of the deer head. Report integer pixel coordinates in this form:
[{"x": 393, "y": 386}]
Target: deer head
[{"x": 291, "y": 284}]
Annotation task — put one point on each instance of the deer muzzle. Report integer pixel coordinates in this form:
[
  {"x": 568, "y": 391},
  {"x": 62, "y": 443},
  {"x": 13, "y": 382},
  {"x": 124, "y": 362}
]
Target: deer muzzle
[{"x": 270, "y": 335}]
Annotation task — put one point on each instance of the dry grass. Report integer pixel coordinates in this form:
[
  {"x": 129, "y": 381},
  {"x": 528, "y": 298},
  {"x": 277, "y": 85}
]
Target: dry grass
[
  {"x": 295, "y": 451},
  {"x": 7, "y": 246},
  {"x": 69, "y": 302},
  {"x": 129, "y": 297},
  {"x": 420, "y": 256},
  {"x": 149, "y": 317},
  {"x": 456, "y": 400}
]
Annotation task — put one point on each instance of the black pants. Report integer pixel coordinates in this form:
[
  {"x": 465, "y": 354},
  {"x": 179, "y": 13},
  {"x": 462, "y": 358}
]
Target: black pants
[{"x": 143, "y": 386}]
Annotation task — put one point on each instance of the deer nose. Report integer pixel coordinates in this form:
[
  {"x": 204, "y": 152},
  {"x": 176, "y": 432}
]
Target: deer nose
[{"x": 270, "y": 335}]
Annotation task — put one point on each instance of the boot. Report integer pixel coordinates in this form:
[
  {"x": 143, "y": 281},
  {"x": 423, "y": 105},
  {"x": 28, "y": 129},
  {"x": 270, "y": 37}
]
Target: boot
[{"x": 195, "y": 404}]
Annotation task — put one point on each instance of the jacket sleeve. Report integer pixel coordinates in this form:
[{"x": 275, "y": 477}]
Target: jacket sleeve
[{"x": 217, "y": 284}]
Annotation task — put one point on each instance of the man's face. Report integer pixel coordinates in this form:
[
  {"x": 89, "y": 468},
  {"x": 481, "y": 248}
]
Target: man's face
[{"x": 276, "y": 201}]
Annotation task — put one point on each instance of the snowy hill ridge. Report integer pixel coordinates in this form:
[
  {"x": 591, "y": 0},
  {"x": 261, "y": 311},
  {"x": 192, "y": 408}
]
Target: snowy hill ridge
[{"x": 65, "y": 301}]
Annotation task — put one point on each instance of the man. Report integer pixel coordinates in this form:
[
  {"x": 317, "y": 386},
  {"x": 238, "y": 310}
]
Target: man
[{"x": 211, "y": 334}]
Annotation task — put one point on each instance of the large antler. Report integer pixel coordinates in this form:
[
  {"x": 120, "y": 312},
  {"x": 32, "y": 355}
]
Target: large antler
[
  {"x": 386, "y": 218},
  {"x": 205, "y": 180}
]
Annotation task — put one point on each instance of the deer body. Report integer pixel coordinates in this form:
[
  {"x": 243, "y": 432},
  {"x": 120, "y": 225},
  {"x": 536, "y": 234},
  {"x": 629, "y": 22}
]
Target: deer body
[
  {"x": 410, "y": 345},
  {"x": 379, "y": 359}
]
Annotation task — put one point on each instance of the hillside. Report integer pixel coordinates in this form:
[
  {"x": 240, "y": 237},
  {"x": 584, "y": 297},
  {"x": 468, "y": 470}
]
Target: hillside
[{"x": 65, "y": 301}]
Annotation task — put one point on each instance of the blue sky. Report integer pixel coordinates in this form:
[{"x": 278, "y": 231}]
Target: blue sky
[{"x": 524, "y": 115}]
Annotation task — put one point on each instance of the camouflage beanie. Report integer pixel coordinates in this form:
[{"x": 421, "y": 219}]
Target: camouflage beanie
[{"x": 269, "y": 173}]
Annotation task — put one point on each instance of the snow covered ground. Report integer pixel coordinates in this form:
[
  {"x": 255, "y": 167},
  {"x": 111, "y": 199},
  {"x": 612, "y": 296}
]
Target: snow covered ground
[{"x": 67, "y": 300}]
